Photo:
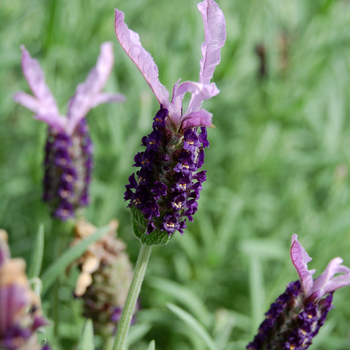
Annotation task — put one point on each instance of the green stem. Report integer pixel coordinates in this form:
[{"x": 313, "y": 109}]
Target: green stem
[{"x": 134, "y": 291}]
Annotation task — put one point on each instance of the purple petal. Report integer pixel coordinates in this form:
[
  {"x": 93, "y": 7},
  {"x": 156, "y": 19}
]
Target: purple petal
[
  {"x": 130, "y": 42},
  {"x": 199, "y": 118},
  {"x": 107, "y": 97},
  {"x": 300, "y": 258},
  {"x": 327, "y": 283},
  {"x": 86, "y": 95},
  {"x": 36, "y": 81},
  {"x": 174, "y": 90},
  {"x": 199, "y": 93},
  {"x": 28, "y": 102},
  {"x": 215, "y": 36},
  {"x": 57, "y": 122},
  {"x": 13, "y": 299}
]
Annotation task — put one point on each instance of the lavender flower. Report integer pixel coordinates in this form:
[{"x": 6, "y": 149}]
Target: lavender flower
[
  {"x": 105, "y": 277},
  {"x": 20, "y": 312},
  {"x": 68, "y": 152},
  {"x": 297, "y": 315},
  {"x": 166, "y": 188}
]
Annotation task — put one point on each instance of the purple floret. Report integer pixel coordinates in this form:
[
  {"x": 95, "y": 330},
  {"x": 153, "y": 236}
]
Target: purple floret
[
  {"x": 68, "y": 167},
  {"x": 168, "y": 184}
]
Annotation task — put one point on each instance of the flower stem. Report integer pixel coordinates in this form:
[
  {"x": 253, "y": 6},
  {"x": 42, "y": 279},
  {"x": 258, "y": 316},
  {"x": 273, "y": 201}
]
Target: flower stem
[{"x": 134, "y": 291}]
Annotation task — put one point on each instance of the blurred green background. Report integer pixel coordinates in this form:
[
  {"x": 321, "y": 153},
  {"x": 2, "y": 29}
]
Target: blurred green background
[{"x": 278, "y": 161}]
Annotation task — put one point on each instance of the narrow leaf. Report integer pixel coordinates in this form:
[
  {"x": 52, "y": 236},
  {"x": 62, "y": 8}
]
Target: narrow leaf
[
  {"x": 37, "y": 254},
  {"x": 184, "y": 296},
  {"x": 86, "y": 341},
  {"x": 152, "y": 345},
  {"x": 137, "y": 332},
  {"x": 194, "y": 324},
  {"x": 257, "y": 293},
  {"x": 58, "y": 266}
]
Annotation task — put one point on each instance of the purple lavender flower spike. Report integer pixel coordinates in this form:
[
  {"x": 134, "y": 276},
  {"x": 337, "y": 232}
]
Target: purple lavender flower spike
[
  {"x": 20, "y": 312},
  {"x": 297, "y": 315},
  {"x": 168, "y": 183},
  {"x": 69, "y": 149}
]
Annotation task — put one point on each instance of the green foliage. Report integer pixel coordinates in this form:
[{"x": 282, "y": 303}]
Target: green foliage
[
  {"x": 278, "y": 161},
  {"x": 86, "y": 341},
  {"x": 37, "y": 254},
  {"x": 152, "y": 345},
  {"x": 194, "y": 325},
  {"x": 139, "y": 224},
  {"x": 61, "y": 263}
]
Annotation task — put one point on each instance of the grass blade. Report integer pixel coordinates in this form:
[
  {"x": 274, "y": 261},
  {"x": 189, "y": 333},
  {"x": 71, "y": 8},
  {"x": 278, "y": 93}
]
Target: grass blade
[
  {"x": 58, "y": 266},
  {"x": 86, "y": 341},
  {"x": 37, "y": 254},
  {"x": 184, "y": 296},
  {"x": 137, "y": 332},
  {"x": 194, "y": 324},
  {"x": 152, "y": 345}
]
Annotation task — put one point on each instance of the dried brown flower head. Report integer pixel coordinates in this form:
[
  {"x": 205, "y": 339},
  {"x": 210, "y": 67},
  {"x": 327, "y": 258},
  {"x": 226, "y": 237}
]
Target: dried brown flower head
[{"x": 105, "y": 277}]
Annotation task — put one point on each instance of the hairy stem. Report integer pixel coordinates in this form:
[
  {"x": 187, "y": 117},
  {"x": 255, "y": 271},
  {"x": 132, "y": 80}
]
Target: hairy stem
[{"x": 134, "y": 291}]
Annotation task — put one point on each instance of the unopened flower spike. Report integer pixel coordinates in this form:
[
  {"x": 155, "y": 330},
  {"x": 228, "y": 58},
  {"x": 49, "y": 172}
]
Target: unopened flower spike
[
  {"x": 296, "y": 316},
  {"x": 20, "y": 309},
  {"x": 166, "y": 188},
  {"x": 68, "y": 152}
]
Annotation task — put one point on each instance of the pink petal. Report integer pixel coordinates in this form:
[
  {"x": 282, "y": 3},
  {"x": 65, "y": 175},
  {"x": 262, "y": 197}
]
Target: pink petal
[
  {"x": 199, "y": 118},
  {"x": 13, "y": 299},
  {"x": 300, "y": 258},
  {"x": 36, "y": 81},
  {"x": 206, "y": 92},
  {"x": 327, "y": 282},
  {"x": 199, "y": 93},
  {"x": 215, "y": 36},
  {"x": 4, "y": 305},
  {"x": 28, "y": 102},
  {"x": 130, "y": 42},
  {"x": 87, "y": 92},
  {"x": 174, "y": 90},
  {"x": 106, "y": 97},
  {"x": 55, "y": 121}
]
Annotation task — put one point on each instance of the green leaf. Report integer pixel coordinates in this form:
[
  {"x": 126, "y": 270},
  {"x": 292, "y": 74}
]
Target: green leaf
[
  {"x": 257, "y": 293},
  {"x": 152, "y": 345},
  {"x": 194, "y": 324},
  {"x": 137, "y": 332},
  {"x": 37, "y": 254},
  {"x": 86, "y": 341},
  {"x": 139, "y": 225},
  {"x": 184, "y": 296},
  {"x": 58, "y": 266},
  {"x": 264, "y": 248}
]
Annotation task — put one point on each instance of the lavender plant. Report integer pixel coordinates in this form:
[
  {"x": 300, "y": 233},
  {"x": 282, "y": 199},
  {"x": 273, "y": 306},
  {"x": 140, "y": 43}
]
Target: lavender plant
[
  {"x": 281, "y": 164},
  {"x": 297, "y": 315},
  {"x": 20, "y": 309},
  {"x": 167, "y": 186},
  {"x": 68, "y": 152}
]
